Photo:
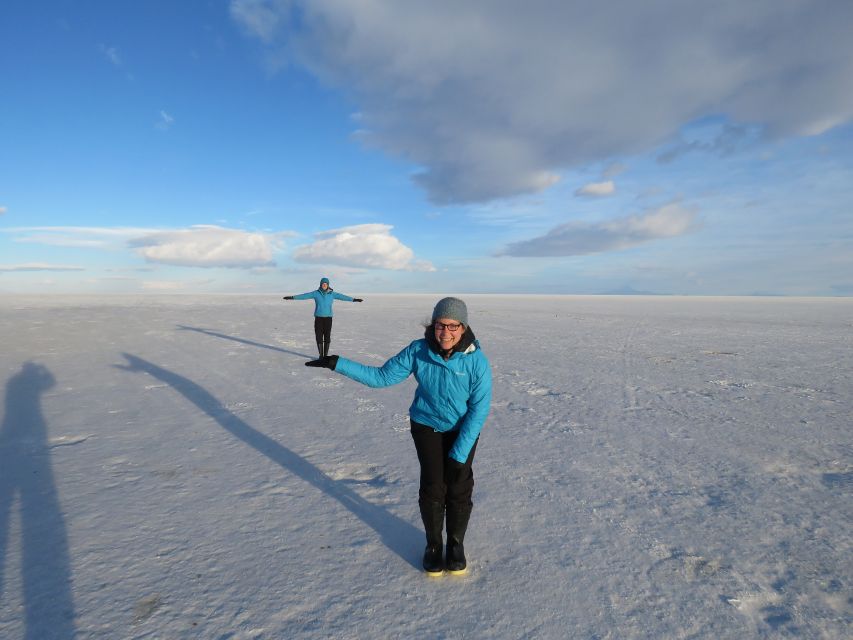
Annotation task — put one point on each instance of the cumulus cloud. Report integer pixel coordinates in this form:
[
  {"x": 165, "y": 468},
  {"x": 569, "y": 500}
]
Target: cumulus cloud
[
  {"x": 37, "y": 266},
  {"x": 198, "y": 246},
  {"x": 491, "y": 100},
  {"x": 597, "y": 189},
  {"x": 208, "y": 246},
  {"x": 577, "y": 238},
  {"x": 365, "y": 246}
]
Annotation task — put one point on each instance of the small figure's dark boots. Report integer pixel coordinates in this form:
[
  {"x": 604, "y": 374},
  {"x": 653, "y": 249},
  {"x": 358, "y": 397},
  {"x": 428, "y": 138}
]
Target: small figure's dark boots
[
  {"x": 457, "y": 524},
  {"x": 432, "y": 514},
  {"x": 320, "y": 347},
  {"x": 326, "y": 348}
]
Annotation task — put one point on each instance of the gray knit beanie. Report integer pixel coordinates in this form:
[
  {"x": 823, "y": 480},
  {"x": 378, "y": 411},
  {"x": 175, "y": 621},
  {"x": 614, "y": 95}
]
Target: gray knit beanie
[{"x": 452, "y": 308}]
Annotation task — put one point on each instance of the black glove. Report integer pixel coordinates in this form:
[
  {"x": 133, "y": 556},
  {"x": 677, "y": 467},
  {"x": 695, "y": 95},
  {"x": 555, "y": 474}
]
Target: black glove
[
  {"x": 357, "y": 300},
  {"x": 454, "y": 468},
  {"x": 287, "y": 298},
  {"x": 328, "y": 362},
  {"x": 454, "y": 465}
]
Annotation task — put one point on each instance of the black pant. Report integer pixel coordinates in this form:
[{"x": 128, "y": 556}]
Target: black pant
[
  {"x": 323, "y": 333},
  {"x": 440, "y": 483}
]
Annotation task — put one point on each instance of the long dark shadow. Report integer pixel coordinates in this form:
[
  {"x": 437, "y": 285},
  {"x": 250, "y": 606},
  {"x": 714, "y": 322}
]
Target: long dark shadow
[
  {"x": 396, "y": 534},
  {"x": 216, "y": 334},
  {"x": 26, "y": 474}
]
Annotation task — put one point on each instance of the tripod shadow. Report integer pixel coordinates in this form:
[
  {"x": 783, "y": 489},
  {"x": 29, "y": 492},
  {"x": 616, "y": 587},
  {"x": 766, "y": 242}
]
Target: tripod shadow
[
  {"x": 26, "y": 474},
  {"x": 216, "y": 334},
  {"x": 396, "y": 534}
]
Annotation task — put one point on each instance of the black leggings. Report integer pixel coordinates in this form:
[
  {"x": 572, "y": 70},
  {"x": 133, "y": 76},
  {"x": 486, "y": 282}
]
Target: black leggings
[
  {"x": 323, "y": 333},
  {"x": 440, "y": 483}
]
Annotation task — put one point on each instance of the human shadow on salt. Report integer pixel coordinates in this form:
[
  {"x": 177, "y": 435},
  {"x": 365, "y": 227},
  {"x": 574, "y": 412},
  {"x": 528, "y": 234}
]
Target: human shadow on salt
[
  {"x": 252, "y": 343},
  {"x": 27, "y": 482},
  {"x": 396, "y": 534}
]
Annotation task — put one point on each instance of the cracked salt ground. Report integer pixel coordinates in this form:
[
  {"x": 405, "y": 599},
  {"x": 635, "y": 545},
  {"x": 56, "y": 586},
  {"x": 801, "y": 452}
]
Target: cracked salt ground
[
  {"x": 366, "y": 405},
  {"x": 628, "y": 485}
]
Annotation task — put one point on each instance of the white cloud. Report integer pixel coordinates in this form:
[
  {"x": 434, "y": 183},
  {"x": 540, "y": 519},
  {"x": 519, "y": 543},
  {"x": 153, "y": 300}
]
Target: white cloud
[
  {"x": 597, "y": 189},
  {"x": 198, "y": 246},
  {"x": 614, "y": 169},
  {"x": 2, "y": 210},
  {"x": 208, "y": 246},
  {"x": 111, "y": 54},
  {"x": 365, "y": 245},
  {"x": 91, "y": 237},
  {"x": 577, "y": 239},
  {"x": 63, "y": 240},
  {"x": 37, "y": 266},
  {"x": 492, "y": 101},
  {"x": 260, "y": 19},
  {"x": 165, "y": 121}
]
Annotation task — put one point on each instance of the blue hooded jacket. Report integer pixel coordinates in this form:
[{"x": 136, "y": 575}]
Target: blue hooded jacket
[
  {"x": 452, "y": 394},
  {"x": 323, "y": 299}
]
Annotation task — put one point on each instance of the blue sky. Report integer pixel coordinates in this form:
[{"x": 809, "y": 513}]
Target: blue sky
[{"x": 554, "y": 146}]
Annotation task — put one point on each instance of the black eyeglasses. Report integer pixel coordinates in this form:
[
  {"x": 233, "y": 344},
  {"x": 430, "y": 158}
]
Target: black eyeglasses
[{"x": 450, "y": 327}]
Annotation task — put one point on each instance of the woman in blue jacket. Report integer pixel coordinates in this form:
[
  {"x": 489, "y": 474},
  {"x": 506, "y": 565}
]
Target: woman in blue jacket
[
  {"x": 323, "y": 298},
  {"x": 450, "y": 406}
]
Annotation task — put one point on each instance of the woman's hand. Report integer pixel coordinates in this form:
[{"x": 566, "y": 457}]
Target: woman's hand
[
  {"x": 455, "y": 469},
  {"x": 328, "y": 362}
]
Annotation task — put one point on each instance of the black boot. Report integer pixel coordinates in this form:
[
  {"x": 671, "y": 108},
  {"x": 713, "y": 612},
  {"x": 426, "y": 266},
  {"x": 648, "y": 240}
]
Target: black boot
[
  {"x": 457, "y": 524},
  {"x": 325, "y": 349},
  {"x": 432, "y": 514},
  {"x": 433, "y": 564},
  {"x": 320, "y": 348}
]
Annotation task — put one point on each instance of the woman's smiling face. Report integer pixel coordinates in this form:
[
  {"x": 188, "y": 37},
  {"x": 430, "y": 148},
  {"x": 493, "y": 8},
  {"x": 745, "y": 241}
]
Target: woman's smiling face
[{"x": 448, "y": 332}]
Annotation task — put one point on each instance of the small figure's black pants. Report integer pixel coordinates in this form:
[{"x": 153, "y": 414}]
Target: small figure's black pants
[{"x": 323, "y": 333}]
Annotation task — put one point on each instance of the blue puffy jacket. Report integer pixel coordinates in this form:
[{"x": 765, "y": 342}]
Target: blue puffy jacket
[
  {"x": 452, "y": 394},
  {"x": 323, "y": 301}
]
